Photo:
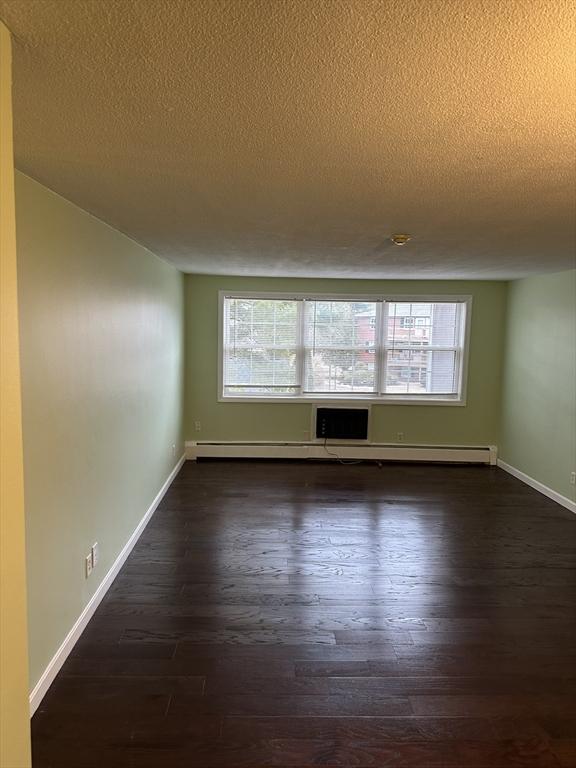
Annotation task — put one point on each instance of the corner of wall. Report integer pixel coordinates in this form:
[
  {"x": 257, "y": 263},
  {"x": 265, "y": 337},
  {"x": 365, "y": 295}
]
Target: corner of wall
[{"x": 14, "y": 718}]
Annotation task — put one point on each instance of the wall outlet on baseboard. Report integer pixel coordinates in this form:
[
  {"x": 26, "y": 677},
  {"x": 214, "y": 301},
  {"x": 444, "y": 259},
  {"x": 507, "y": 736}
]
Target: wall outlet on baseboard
[
  {"x": 572, "y": 478},
  {"x": 400, "y": 437},
  {"x": 197, "y": 426},
  {"x": 88, "y": 565}
]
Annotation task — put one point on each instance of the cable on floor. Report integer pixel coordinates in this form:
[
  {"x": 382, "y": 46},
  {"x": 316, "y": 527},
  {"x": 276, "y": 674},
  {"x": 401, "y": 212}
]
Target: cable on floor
[{"x": 340, "y": 459}]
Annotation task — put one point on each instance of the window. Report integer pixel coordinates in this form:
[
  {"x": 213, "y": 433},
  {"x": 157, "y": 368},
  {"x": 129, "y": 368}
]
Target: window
[
  {"x": 422, "y": 348},
  {"x": 262, "y": 339},
  {"x": 314, "y": 347},
  {"x": 338, "y": 339}
]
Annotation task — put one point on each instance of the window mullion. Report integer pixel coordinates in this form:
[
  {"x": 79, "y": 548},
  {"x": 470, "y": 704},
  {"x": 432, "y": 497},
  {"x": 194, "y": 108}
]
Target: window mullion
[
  {"x": 459, "y": 350},
  {"x": 377, "y": 348},
  {"x": 381, "y": 350},
  {"x": 300, "y": 350},
  {"x": 225, "y": 344}
]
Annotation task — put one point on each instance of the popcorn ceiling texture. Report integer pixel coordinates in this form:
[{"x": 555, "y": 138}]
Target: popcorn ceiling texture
[{"x": 282, "y": 137}]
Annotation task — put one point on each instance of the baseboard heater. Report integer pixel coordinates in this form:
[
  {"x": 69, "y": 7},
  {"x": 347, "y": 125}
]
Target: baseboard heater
[{"x": 371, "y": 452}]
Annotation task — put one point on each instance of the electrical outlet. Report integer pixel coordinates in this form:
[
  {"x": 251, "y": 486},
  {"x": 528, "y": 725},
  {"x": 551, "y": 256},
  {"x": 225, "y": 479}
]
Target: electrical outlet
[
  {"x": 400, "y": 437},
  {"x": 572, "y": 478},
  {"x": 95, "y": 554},
  {"x": 174, "y": 451},
  {"x": 197, "y": 426},
  {"x": 88, "y": 564}
]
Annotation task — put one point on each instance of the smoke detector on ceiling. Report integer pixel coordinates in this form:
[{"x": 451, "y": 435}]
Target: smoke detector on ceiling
[{"x": 400, "y": 239}]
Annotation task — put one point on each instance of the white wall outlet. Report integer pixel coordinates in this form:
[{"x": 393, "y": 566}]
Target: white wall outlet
[
  {"x": 88, "y": 564},
  {"x": 95, "y": 554},
  {"x": 400, "y": 437},
  {"x": 174, "y": 451},
  {"x": 572, "y": 478},
  {"x": 197, "y": 426}
]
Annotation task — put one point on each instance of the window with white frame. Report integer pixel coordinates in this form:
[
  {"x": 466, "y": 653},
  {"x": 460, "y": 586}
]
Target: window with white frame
[{"x": 315, "y": 347}]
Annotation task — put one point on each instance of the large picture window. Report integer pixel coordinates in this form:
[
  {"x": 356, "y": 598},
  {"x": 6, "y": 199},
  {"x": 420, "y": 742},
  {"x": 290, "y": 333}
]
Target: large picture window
[{"x": 338, "y": 347}]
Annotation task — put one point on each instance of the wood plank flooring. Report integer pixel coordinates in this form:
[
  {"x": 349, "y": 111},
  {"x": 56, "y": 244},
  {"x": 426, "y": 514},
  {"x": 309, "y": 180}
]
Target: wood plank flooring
[{"x": 298, "y": 614}]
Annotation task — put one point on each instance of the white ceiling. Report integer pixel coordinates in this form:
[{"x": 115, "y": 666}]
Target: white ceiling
[{"x": 292, "y": 137}]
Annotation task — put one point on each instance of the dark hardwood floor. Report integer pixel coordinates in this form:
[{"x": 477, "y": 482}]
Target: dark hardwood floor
[{"x": 292, "y": 614}]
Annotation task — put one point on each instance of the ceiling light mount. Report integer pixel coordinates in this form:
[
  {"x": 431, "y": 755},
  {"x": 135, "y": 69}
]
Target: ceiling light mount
[{"x": 400, "y": 239}]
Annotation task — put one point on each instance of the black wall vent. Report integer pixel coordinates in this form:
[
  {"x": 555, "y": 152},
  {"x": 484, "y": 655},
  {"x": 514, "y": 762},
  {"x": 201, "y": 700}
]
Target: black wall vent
[{"x": 342, "y": 423}]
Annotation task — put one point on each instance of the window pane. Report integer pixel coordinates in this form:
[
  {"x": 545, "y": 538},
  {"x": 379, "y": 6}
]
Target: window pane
[
  {"x": 340, "y": 370},
  {"x": 413, "y": 330},
  {"x": 340, "y": 341},
  {"x": 421, "y": 372},
  {"x": 260, "y": 346},
  {"x": 422, "y": 324}
]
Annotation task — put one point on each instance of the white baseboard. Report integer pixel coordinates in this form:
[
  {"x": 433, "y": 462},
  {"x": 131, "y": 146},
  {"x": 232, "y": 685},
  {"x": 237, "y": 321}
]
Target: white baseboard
[
  {"x": 41, "y": 687},
  {"x": 373, "y": 451},
  {"x": 538, "y": 486}
]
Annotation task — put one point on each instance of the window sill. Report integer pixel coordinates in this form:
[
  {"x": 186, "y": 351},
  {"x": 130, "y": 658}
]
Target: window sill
[{"x": 356, "y": 400}]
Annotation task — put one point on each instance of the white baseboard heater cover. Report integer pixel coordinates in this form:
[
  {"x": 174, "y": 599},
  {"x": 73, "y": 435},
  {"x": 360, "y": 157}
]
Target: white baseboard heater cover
[{"x": 374, "y": 451}]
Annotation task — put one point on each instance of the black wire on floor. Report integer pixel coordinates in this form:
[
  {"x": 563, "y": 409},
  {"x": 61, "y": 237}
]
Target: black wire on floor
[{"x": 344, "y": 461}]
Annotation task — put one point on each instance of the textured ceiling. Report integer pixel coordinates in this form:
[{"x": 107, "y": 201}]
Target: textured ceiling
[{"x": 292, "y": 137}]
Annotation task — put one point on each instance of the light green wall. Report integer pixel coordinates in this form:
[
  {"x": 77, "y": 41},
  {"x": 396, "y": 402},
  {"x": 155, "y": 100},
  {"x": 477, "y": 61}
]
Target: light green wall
[
  {"x": 477, "y": 422},
  {"x": 102, "y": 372},
  {"x": 539, "y": 389}
]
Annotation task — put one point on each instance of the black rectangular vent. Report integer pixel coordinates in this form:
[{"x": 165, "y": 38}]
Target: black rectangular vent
[{"x": 343, "y": 423}]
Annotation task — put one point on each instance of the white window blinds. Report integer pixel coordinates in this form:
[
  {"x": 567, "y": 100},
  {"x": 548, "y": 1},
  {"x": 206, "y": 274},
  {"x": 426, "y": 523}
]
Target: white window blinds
[
  {"x": 422, "y": 348},
  {"x": 261, "y": 344},
  {"x": 340, "y": 346}
]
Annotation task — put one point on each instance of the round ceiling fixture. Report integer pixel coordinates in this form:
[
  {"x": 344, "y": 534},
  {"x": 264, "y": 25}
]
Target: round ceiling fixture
[{"x": 400, "y": 239}]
